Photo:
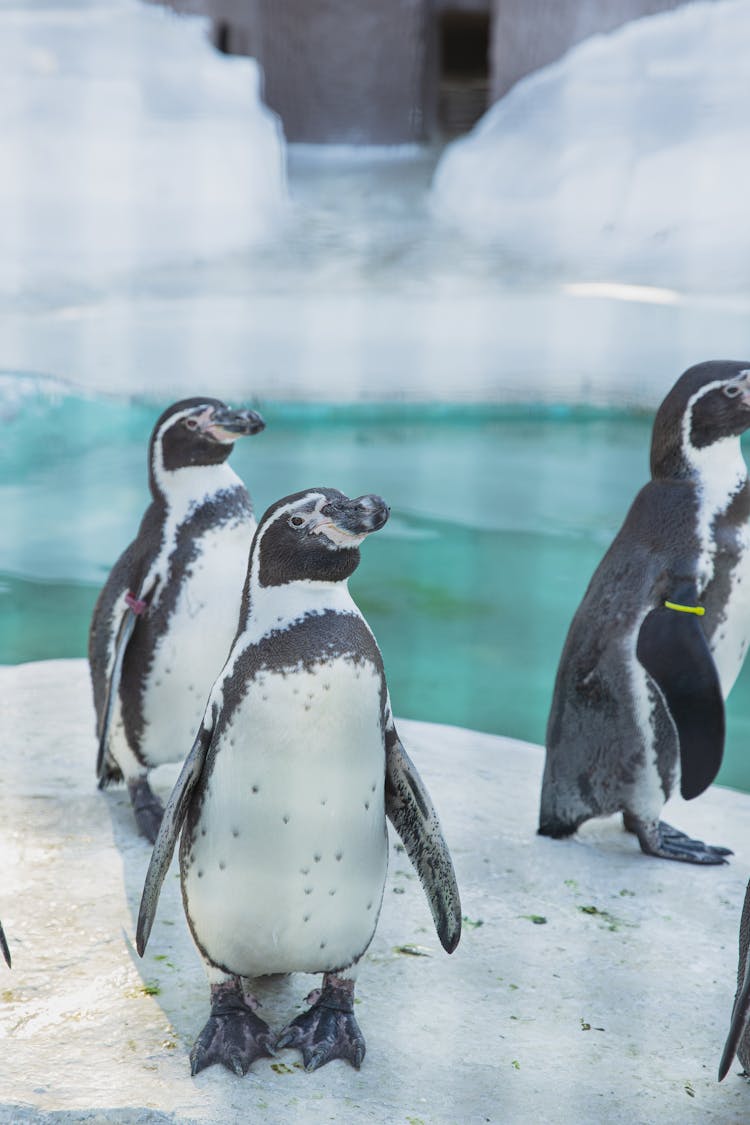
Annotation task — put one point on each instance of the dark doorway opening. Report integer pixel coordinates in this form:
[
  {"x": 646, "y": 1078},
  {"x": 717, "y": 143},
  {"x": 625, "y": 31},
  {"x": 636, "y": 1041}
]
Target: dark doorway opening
[
  {"x": 222, "y": 37},
  {"x": 464, "y": 39}
]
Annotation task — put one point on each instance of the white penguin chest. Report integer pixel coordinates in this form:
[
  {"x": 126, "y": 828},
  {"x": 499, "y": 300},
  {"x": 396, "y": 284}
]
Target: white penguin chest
[
  {"x": 192, "y": 650},
  {"x": 288, "y": 861},
  {"x": 724, "y": 553},
  {"x": 730, "y": 638}
]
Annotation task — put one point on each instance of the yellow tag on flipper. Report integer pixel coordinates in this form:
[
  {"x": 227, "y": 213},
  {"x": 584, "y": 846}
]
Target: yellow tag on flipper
[{"x": 698, "y": 610}]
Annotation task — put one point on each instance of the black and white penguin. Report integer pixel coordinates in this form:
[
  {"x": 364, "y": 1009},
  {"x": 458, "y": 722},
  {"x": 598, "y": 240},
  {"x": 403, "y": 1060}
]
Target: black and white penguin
[
  {"x": 738, "y": 1039},
  {"x": 285, "y": 794},
  {"x": 167, "y": 615},
  {"x": 662, "y": 631},
  {"x": 4, "y": 946}
]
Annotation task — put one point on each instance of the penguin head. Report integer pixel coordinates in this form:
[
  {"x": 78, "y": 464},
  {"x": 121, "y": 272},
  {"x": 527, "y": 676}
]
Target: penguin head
[
  {"x": 313, "y": 536},
  {"x": 195, "y": 432},
  {"x": 708, "y": 404}
]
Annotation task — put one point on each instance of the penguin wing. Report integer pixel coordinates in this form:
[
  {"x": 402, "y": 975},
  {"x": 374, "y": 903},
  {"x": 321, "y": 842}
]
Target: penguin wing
[
  {"x": 411, "y": 812},
  {"x": 4, "y": 946},
  {"x": 171, "y": 825},
  {"x": 739, "y": 1024},
  {"x": 124, "y": 628},
  {"x": 741, "y": 1010},
  {"x": 673, "y": 649},
  {"x": 112, "y": 687}
]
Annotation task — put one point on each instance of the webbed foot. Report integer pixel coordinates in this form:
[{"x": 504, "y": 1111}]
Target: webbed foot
[
  {"x": 327, "y": 1030},
  {"x": 658, "y": 838},
  {"x": 234, "y": 1035},
  {"x": 147, "y": 807}
]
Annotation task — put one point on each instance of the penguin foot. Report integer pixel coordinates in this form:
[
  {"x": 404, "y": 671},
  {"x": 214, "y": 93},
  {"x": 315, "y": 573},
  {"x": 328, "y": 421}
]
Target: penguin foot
[
  {"x": 111, "y": 774},
  {"x": 234, "y": 1035},
  {"x": 660, "y": 839},
  {"x": 327, "y": 1030},
  {"x": 147, "y": 807}
]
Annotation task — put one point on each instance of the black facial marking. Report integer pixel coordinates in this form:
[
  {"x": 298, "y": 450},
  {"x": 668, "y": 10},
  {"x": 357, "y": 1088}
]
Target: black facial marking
[
  {"x": 714, "y": 416},
  {"x": 288, "y": 555},
  {"x": 182, "y": 446},
  {"x": 291, "y": 553}
]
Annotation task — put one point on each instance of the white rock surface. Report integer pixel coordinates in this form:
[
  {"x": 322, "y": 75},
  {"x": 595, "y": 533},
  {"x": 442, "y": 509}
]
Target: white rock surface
[
  {"x": 627, "y": 159},
  {"x": 613, "y": 1016},
  {"x": 128, "y": 141}
]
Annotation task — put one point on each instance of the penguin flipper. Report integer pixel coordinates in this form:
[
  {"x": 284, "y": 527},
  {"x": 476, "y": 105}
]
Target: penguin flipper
[
  {"x": 673, "y": 649},
  {"x": 134, "y": 607},
  {"x": 4, "y": 946},
  {"x": 740, "y": 1022},
  {"x": 124, "y": 633},
  {"x": 739, "y": 1025},
  {"x": 171, "y": 825},
  {"x": 411, "y": 812}
]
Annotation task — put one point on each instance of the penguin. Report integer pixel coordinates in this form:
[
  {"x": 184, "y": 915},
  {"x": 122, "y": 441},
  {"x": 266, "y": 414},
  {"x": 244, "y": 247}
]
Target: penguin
[
  {"x": 661, "y": 634},
  {"x": 282, "y": 801},
  {"x": 4, "y": 946},
  {"x": 166, "y": 617},
  {"x": 738, "y": 1039}
]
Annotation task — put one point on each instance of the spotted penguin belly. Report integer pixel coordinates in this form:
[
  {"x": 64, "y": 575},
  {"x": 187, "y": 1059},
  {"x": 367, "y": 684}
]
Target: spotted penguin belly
[
  {"x": 191, "y": 652},
  {"x": 285, "y": 865}
]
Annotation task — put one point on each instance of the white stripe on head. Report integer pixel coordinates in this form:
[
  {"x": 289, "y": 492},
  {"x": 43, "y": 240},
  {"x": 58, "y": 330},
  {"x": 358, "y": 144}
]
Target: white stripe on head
[
  {"x": 721, "y": 463},
  {"x": 277, "y": 607},
  {"x": 183, "y": 491},
  {"x": 265, "y": 525},
  {"x": 162, "y": 475},
  {"x": 720, "y": 472},
  {"x": 190, "y": 485}
]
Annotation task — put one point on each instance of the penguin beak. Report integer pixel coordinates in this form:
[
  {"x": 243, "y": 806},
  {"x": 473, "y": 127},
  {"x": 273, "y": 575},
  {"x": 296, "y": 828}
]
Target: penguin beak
[
  {"x": 225, "y": 425},
  {"x": 346, "y": 522}
]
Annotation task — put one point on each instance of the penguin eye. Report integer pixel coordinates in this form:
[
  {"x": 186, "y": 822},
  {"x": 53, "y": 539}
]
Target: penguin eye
[
  {"x": 732, "y": 390},
  {"x": 191, "y": 423},
  {"x": 296, "y": 521}
]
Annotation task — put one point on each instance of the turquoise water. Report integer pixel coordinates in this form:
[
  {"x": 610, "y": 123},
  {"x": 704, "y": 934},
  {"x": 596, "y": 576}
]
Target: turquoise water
[{"x": 499, "y": 517}]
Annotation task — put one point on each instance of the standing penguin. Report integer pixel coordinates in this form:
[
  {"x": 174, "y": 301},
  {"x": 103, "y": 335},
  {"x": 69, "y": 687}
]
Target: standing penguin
[
  {"x": 738, "y": 1039},
  {"x": 285, "y": 794},
  {"x": 4, "y": 946},
  {"x": 166, "y": 617},
  {"x": 662, "y": 631}
]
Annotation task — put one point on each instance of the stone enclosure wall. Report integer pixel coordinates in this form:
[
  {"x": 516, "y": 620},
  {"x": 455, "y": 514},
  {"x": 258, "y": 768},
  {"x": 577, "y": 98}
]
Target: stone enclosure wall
[{"x": 400, "y": 71}]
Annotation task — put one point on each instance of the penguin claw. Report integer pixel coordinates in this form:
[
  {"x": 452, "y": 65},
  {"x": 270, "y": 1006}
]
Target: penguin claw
[
  {"x": 235, "y": 1039},
  {"x": 662, "y": 840},
  {"x": 324, "y": 1033},
  {"x": 147, "y": 808},
  {"x": 285, "y": 1039}
]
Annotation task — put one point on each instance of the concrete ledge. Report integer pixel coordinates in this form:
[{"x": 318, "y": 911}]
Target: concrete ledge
[{"x": 613, "y": 1009}]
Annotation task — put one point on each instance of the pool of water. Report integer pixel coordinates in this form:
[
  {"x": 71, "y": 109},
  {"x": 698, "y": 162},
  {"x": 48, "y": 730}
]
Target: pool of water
[{"x": 499, "y": 517}]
